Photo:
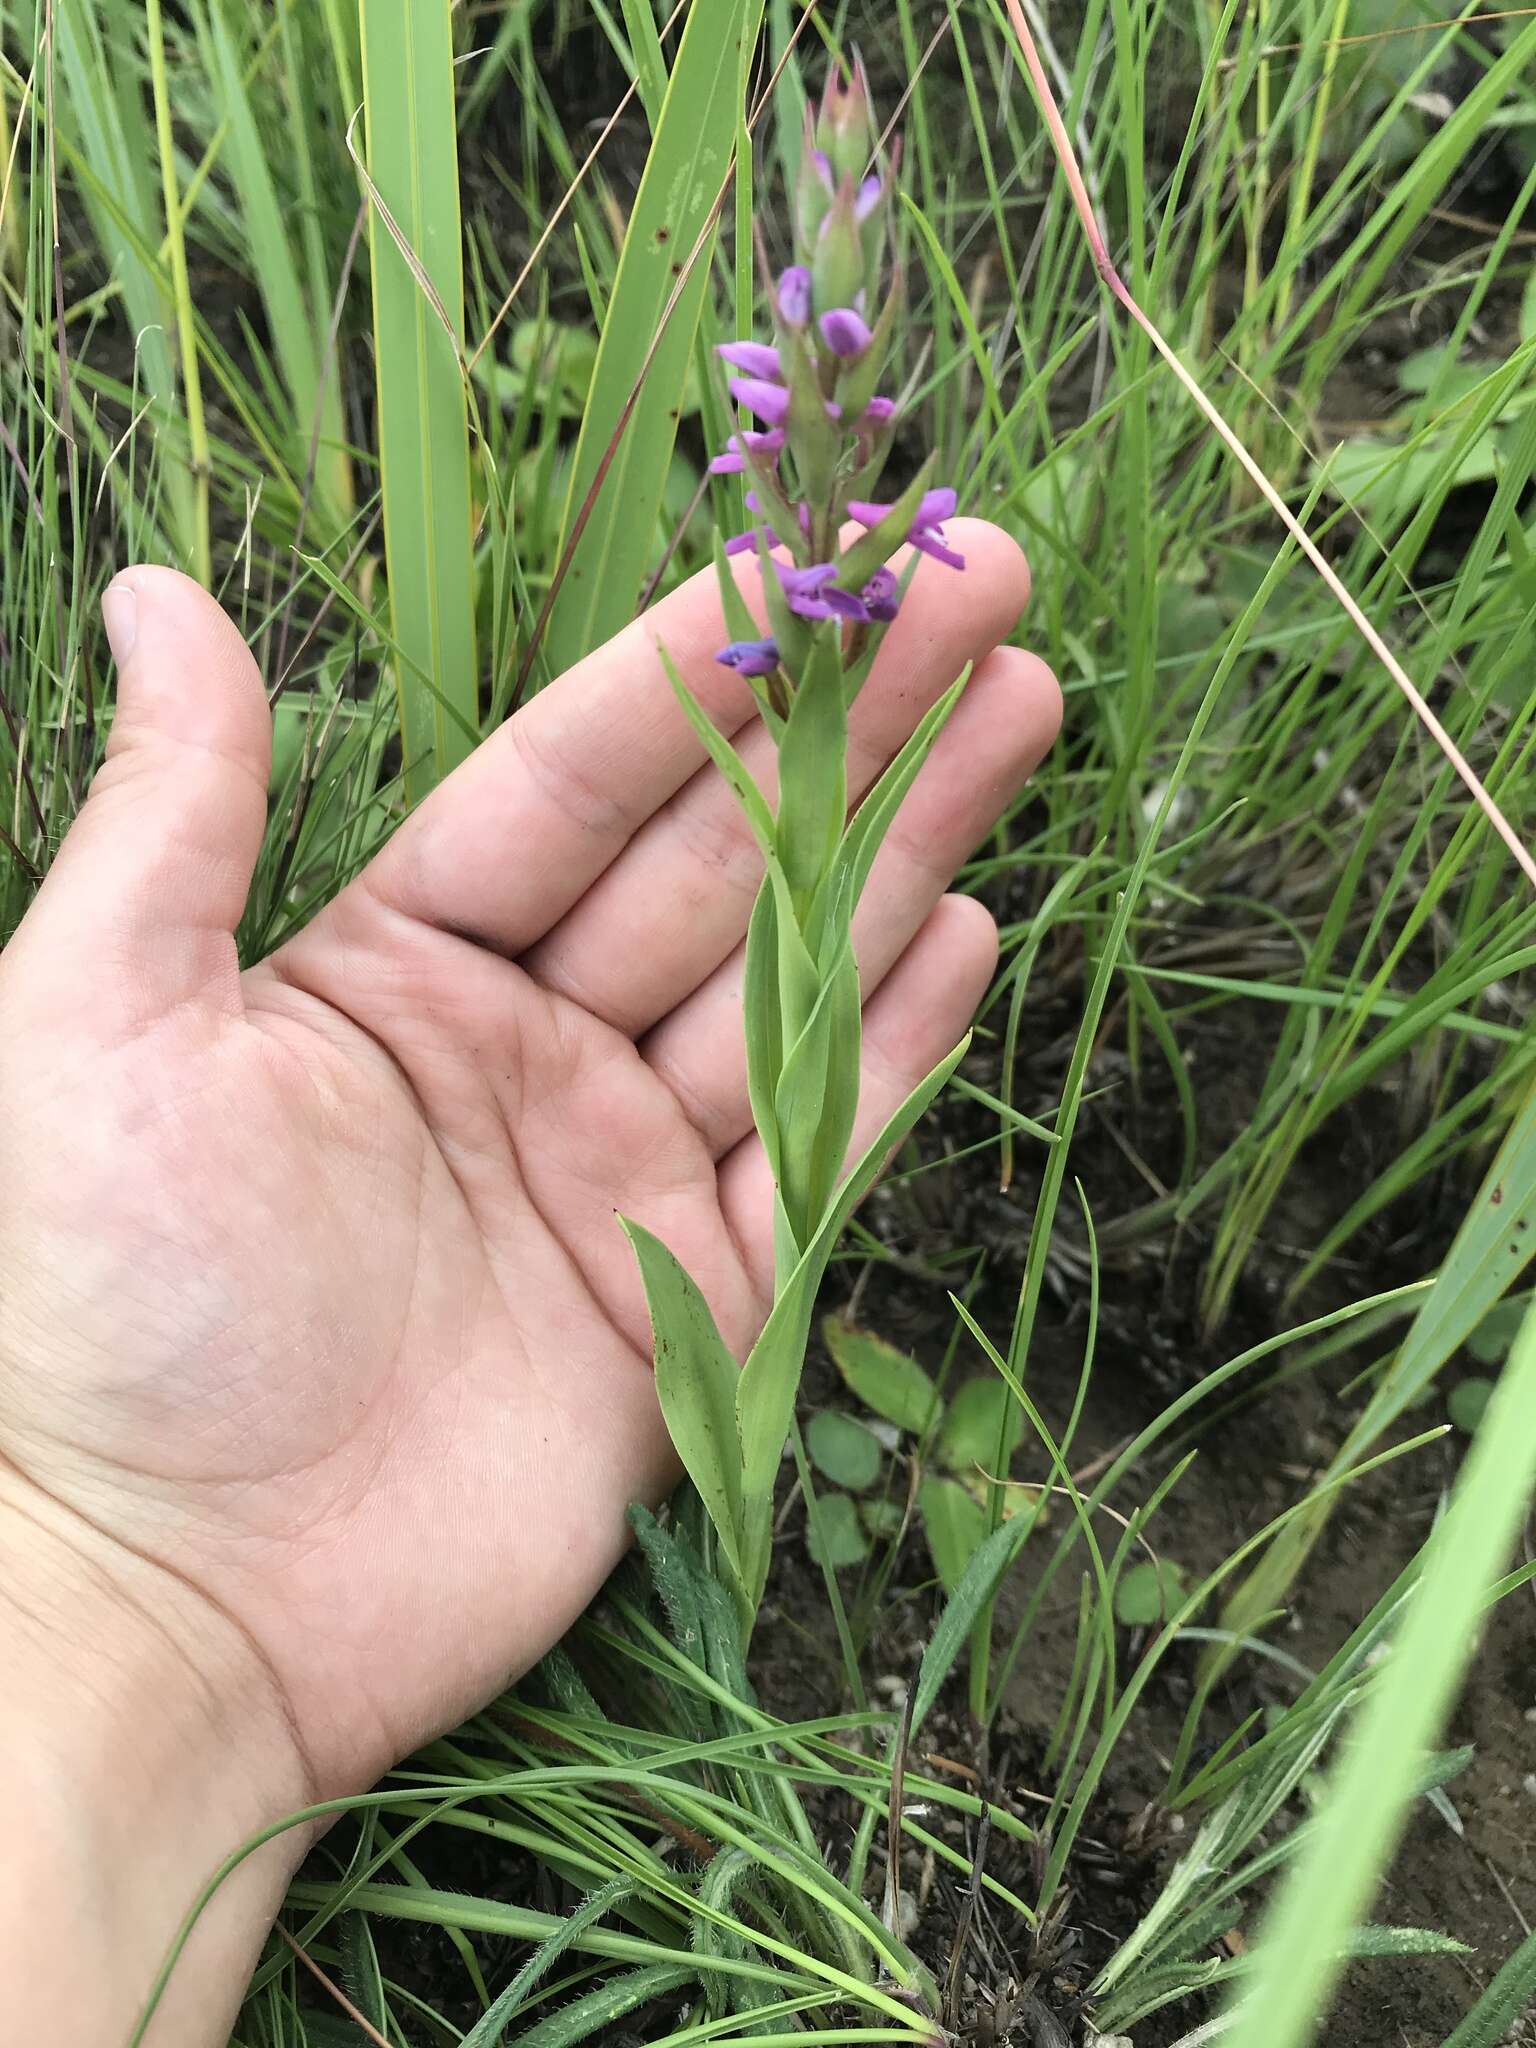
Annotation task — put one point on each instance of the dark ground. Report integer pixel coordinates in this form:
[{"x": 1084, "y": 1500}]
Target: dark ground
[{"x": 1479, "y": 1884}]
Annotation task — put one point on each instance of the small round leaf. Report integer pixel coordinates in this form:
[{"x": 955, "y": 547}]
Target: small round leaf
[
  {"x": 1465, "y": 1404},
  {"x": 1148, "y": 1593},
  {"x": 843, "y": 1450},
  {"x": 835, "y": 1537},
  {"x": 972, "y": 1427}
]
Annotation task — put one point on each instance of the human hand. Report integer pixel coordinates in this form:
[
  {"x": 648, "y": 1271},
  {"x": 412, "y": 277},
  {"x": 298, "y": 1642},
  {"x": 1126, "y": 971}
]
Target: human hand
[{"x": 324, "y": 1367}]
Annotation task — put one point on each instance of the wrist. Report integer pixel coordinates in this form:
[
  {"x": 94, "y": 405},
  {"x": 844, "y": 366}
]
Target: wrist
[{"x": 142, "y": 1741}]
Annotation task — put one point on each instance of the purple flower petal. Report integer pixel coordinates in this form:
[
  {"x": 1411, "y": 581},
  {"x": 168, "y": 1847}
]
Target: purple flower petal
[
  {"x": 733, "y": 461},
  {"x": 931, "y": 542},
  {"x": 844, "y": 332},
  {"x": 879, "y": 412},
  {"x": 746, "y": 543},
  {"x": 807, "y": 591},
  {"x": 750, "y": 657},
  {"x": 882, "y": 597},
  {"x": 755, "y": 357},
  {"x": 870, "y": 193},
  {"x": 927, "y": 530},
  {"x": 795, "y": 296},
  {"x": 823, "y": 165},
  {"x": 769, "y": 401}
]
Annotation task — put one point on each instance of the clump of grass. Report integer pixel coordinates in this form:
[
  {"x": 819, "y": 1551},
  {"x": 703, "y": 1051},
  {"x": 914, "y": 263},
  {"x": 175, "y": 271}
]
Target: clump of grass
[{"x": 217, "y": 349}]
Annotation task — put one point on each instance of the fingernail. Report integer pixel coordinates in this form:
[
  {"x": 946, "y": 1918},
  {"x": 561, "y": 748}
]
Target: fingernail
[{"x": 120, "y": 616}]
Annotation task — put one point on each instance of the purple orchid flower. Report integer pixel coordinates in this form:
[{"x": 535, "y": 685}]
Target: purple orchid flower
[
  {"x": 755, "y": 357},
  {"x": 881, "y": 597},
  {"x": 750, "y": 657},
  {"x": 813, "y": 594},
  {"x": 740, "y": 446},
  {"x": 769, "y": 401},
  {"x": 927, "y": 529},
  {"x": 845, "y": 332}
]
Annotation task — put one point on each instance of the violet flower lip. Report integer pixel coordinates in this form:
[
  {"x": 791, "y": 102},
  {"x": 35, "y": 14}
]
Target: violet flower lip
[
  {"x": 756, "y": 358},
  {"x": 769, "y": 401},
  {"x": 750, "y": 657},
  {"x": 926, "y": 533}
]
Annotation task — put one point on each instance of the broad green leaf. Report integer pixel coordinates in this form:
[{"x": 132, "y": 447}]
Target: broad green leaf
[
  {"x": 296, "y": 327},
  {"x": 813, "y": 790},
  {"x": 871, "y": 821},
  {"x": 973, "y": 1428},
  {"x": 817, "y": 1099},
  {"x": 1382, "y": 480},
  {"x": 955, "y": 1524},
  {"x": 889, "y": 1382},
  {"x": 650, "y": 64},
  {"x": 415, "y": 253},
  {"x": 696, "y": 1380},
  {"x": 630, "y": 422},
  {"x": 763, "y": 1020},
  {"x": 754, "y": 805},
  {"x": 1429, "y": 369},
  {"x": 842, "y": 1449},
  {"x": 765, "y": 1395},
  {"x": 835, "y": 1535}
]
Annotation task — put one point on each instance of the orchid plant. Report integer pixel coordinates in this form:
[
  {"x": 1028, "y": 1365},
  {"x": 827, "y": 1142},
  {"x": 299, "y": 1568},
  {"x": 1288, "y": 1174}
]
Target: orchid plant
[{"x": 823, "y": 540}]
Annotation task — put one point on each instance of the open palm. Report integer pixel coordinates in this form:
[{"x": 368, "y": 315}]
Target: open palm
[{"x": 311, "y": 1289}]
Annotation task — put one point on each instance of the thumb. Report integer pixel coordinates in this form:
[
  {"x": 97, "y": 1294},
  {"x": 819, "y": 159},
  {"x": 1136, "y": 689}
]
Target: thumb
[{"x": 140, "y": 905}]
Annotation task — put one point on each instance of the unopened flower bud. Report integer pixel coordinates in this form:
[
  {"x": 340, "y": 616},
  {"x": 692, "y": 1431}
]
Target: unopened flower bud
[
  {"x": 845, "y": 129},
  {"x": 795, "y": 296},
  {"x": 837, "y": 268},
  {"x": 845, "y": 332}
]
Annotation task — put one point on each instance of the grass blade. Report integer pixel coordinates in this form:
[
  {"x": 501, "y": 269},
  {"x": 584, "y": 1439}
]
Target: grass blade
[
  {"x": 630, "y": 423},
  {"x": 1510, "y": 1993},
  {"x": 1330, "y": 1884},
  {"x": 423, "y": 421}
]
